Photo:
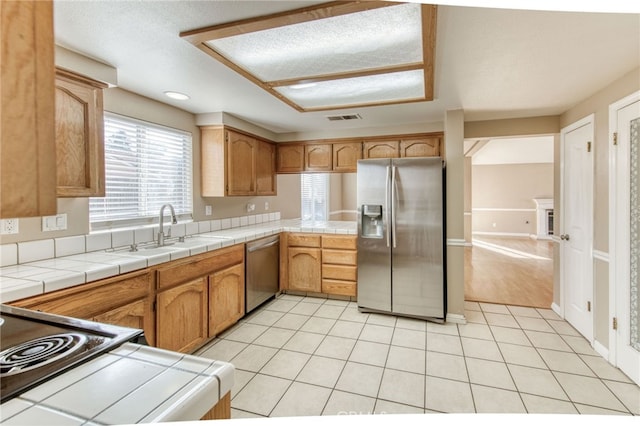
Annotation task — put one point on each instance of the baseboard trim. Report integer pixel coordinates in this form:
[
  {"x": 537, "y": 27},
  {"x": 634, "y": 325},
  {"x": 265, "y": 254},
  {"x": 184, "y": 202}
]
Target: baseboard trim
[
  {"x": 541, "y": 237},
  {"x": 556, "y": 308},
  {"x": 504, "y": 234},
  {"x": 456, "y": 242},
  {"x": 456, "y": 318},
  {"x": 601, "y": 255},
  {"x": 601, "y": 349}
]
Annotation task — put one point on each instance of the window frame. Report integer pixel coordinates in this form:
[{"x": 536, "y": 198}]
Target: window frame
[
  {"x": 325, "y": 177},
  {"x": 184, "y": 208}
]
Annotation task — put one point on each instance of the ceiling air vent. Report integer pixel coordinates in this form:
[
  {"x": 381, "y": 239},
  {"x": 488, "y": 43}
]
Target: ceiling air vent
[{"x": 344, "y": 117}]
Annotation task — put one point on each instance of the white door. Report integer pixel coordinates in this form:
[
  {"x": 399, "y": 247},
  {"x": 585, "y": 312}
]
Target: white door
[
  {"x": 576, "y": 225},
  {"x": 624, "y": 235}
]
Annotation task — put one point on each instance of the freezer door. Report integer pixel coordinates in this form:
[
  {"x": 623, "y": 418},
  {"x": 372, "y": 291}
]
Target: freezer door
[
  {"x": 374, "y": 255},
  {"x": 417, "y": 237}
]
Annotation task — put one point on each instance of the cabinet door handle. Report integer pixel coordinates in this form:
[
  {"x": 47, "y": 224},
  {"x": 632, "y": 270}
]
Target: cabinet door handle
[{"x": 564, "y": 237}]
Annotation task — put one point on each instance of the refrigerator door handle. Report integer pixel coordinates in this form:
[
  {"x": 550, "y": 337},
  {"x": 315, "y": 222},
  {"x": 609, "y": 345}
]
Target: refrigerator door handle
[
  {"x": 393, "y": 205},
  {"x": 386, "y": 210}
]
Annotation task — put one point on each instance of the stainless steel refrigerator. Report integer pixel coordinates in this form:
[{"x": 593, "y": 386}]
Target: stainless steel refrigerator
[{"x": 401, "y": 237}]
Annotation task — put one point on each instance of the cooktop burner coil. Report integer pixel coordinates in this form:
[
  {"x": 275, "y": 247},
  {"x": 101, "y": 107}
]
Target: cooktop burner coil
[{"x": 39, "y": 352}]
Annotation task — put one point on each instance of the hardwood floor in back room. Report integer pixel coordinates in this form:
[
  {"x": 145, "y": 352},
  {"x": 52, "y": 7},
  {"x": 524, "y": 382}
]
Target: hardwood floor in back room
[{"x": 512, "y": 271}]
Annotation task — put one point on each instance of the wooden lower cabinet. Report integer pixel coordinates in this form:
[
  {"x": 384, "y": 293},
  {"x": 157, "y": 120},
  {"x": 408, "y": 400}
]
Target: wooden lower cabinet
[
  {"x": 220, "y": 411},
  {"x": 135, "y": 315},
  {"x": 198, "y": 297},
  {"x": 124, "y": 300},
  {"x": 320, "y": 263},
  {"x": 182, "y": 313},
  {"x": 304, "y": 269},
  {"x": 226, "y": 298},
  {"x": 339, "y": 260}
]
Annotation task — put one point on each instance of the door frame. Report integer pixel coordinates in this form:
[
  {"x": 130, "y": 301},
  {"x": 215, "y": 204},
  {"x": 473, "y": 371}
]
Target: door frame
[
  {"x": 614, "y": 224},
  {"x": 590, "y": 119}
]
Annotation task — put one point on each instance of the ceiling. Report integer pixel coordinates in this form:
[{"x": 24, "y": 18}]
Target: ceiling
[{"x": 494, "y": 63}]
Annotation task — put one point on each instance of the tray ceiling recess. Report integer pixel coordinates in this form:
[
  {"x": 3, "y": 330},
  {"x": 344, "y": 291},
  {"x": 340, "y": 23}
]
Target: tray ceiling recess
[{"x": 333, "y": 55}]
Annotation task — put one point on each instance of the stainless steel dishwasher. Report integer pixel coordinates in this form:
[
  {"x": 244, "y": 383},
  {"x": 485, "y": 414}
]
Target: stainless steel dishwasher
[{"x": 262, "y": 271}]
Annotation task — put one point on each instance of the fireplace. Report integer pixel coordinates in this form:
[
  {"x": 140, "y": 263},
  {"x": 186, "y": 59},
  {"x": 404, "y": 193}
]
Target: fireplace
[{"x": 544, "y": 218}]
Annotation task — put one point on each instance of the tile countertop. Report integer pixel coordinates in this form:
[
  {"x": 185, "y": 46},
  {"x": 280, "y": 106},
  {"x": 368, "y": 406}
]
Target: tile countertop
[
  {"x": 130, "y": 384},
  {"x": 22, "y": 280}
]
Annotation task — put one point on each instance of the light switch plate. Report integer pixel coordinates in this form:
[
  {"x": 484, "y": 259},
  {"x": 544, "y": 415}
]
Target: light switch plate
[{"x": 54, "y": 223}]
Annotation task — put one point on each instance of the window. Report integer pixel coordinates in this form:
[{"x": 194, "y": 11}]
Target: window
[
  {"x": 146, "y": 166},
  {"x": 315, "y": 196}
]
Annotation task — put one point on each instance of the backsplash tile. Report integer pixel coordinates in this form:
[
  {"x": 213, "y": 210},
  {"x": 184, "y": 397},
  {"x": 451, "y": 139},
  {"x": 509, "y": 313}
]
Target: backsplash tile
[
  {"x": 101, "y": 241},
  {"x": 8, "y": 254},
  {"x": 67, "y": 246},
  {"x": 31, "y": 251},
  {"x": 192, "y": 228},
  {"x": 179, "y": 230},
  {"x": 144, "y": 235},
  {"x": 121, "y": 238},
  {"x": 204, "y": 226}
]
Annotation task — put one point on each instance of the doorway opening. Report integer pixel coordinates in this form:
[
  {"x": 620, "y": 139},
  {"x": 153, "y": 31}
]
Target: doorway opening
[{"x": 509, "y": 221}]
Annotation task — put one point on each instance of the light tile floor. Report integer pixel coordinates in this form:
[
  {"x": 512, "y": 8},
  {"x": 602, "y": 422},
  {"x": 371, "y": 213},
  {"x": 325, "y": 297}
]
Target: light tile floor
[{"x": 305, "y": 356}]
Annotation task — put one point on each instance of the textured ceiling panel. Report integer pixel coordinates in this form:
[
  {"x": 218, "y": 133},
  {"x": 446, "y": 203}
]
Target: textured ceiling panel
[
  {"x": 359, "y": 90},
  {"x": 369, "y": 39}
]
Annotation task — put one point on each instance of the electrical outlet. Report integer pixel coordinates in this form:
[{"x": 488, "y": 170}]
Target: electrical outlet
[
  {"x": 9, "y": 226},
  {"x": 250, "y": 207},
  {"x": 266, "y": 205},
  {"x": 207, "y": 210}
]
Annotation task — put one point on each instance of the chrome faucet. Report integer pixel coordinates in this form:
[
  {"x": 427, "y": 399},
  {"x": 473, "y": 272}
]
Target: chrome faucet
[{"x": 161, "y": 235}]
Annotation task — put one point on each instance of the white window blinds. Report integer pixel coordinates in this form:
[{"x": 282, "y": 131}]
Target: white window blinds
[
  {"x": 146, "y": 166},
  {"x": 315, "y": 196}
]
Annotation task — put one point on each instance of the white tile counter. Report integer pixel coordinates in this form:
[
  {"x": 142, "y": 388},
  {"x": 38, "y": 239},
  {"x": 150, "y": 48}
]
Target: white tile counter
[
  {"x": 130, "y": 384},
  {"x": 109, "y": 254}
]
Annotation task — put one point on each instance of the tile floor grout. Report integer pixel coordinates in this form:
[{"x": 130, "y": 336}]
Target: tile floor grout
[{"x": 462, "y": 333}]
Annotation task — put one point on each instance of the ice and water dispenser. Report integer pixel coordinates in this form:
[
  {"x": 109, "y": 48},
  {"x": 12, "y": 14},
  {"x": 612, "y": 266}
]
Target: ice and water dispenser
[{"x": 372, "y": 221}]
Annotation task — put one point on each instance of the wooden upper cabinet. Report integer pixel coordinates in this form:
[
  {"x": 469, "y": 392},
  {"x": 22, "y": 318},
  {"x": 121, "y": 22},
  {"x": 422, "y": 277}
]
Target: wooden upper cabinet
[
  {"x": 318, "y": 158},
  {"x": 27, "y": 126},
  {"x": 423, "y": 147},
  {"x": 79, "y": 135},
  {"x": 346, "y": 156},
  {"x": 242, "y": 152},
  {"x": 235, "y": 163},
  {"x": 266, "y": 169},
  {"x": 290, "y": 158},
  {"x": 381, "y": 149}
]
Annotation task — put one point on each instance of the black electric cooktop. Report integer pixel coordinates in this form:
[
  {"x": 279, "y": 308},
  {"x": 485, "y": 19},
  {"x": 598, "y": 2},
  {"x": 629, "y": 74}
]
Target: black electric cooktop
[{"x": 35, "y": 346}]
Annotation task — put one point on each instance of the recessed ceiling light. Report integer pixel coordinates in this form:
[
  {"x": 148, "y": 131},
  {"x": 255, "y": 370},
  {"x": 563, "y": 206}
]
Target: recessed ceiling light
[{"x": 177, "y": 95}]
